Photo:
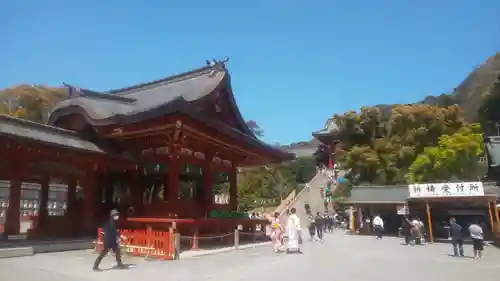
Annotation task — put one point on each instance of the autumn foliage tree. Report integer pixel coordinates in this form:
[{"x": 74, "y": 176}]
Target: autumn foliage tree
[{"x": 30, "y": 102}]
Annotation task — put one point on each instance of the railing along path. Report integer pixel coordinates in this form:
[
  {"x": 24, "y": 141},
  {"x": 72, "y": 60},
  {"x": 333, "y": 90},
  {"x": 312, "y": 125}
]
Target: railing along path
[{"x": 166, "y": 245}]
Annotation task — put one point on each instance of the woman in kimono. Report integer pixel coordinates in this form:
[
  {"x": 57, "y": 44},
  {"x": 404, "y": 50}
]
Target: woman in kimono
[
  {"x": 293, "y": 232},
  {"x": 276, "y": 233}
]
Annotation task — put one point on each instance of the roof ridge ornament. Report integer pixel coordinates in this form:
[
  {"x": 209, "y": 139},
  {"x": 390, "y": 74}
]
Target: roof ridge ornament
[
  {"x": 216, "y": 66},
  {"x": 217, "y": 63}
]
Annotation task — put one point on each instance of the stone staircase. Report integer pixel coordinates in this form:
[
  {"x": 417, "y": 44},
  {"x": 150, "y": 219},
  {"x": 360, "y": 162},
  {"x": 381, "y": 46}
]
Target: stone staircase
[{"x": 312, "y": 196}]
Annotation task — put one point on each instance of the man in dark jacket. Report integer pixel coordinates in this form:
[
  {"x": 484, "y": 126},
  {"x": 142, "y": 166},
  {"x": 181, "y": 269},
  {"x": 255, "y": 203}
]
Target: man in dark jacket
[
  {"x": 111, "y": 238},
  {"x": 319, "y": 223},
  {"x": 407, "y": 226},
  {"x": 456, "y": 238}
]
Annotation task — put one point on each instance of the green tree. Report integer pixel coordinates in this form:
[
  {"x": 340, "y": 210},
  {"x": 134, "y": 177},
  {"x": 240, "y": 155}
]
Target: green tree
[
  {"x": 379, "y": 148},
  {"x": 455, "y": 156},
  {"x": 489, "y": 113},
  {"x": 304, "y": 169},
  {"x": 343, "y": 190},
  {"x": 268, "y": 183},
  {"x": 255, "y": 128},
  {"x": 363, "y": 162}
]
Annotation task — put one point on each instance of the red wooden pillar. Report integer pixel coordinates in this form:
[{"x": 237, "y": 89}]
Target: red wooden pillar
[
  {"x": 208, "y": 196},
  {"x": 333, "y": 148},
  {"x": 137, "y": 192},
  {"x": 44, "y": 199},
  {"x": 194, "y": 241},
  {"x": 173, "y": 172},
  {"x": 13, "y": 223},
  {"x": 89, "y": 185},
  {"x": 71, "y": 221},
  {"x": 233, "y": 190}
]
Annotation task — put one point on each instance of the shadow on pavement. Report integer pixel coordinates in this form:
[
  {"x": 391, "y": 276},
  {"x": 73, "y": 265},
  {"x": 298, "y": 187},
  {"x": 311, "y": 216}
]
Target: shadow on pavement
[
  {"x": 126, "y": 266},
  {"x": 460, "y": 257}
]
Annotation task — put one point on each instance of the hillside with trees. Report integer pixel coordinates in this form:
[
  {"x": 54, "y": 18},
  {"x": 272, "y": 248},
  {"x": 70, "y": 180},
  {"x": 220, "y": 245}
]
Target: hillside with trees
[
  {"x": 470, "y": 94},
  {"x": 435, "y": 140},
  {"x": 30, "y": 102},
  {"x": 267, "y": 185},
  {"x": 416, "y": 143}
]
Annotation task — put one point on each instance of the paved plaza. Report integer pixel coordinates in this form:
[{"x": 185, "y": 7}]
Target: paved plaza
[{"x": 341, "y": 257}]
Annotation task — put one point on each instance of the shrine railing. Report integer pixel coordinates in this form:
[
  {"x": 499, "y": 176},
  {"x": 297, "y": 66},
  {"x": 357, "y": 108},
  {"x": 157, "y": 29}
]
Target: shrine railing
[
  {"x": 286, "y": 202},
  {"x": 147, "y": 243}
]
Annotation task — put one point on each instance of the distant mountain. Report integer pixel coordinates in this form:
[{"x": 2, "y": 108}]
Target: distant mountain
[
  {"x": 471, "y": 92},
  {"x": 469, "y": 95}
]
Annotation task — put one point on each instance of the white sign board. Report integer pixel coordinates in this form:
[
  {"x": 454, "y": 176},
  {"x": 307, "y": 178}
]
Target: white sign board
[{"x": 452, "y": 189}]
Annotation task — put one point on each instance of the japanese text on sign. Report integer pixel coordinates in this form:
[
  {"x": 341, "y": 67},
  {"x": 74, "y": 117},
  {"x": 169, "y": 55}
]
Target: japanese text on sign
[{"x": 446, "y": 189}]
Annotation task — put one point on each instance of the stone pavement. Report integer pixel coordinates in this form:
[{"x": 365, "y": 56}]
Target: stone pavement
[{"x": 341, "y": 257}]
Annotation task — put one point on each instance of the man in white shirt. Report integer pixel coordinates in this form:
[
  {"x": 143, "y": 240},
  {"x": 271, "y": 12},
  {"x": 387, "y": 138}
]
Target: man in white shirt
[
  {"x": 378, "y": 226},
  {"x": 418, "y": 225},
  {"x": 477, "y": 235}
]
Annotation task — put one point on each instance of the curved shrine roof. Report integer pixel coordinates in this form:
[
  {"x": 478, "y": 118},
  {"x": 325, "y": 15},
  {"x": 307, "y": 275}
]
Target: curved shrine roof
[
  {"x": 18, "y": 128},
  {"x": 122, "y": 105},
  {"x": 329, "y": 129},
  {"x": 159, "y": 98}
]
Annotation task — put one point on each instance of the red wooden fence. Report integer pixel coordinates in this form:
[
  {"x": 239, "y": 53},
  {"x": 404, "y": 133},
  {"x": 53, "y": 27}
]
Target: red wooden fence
[{"x": 145, "y": 243}]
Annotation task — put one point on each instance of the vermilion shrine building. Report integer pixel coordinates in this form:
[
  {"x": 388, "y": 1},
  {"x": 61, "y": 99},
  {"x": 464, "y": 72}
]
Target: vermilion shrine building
[
  {"x": 160, "y": 149},
  {"x": 328, "y": 137}
]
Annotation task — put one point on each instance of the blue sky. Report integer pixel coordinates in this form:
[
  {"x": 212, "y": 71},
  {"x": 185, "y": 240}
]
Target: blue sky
[{"x": 293, "y": 63}]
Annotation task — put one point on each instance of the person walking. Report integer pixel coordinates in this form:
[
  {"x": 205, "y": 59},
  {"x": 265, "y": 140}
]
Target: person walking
[
  {"x": 423, "y": 231},
  {"x": 307, "y": 207},
  {"x": 329, "y": 223},
  {"x": 407, "y": 230},
  {"x": 456, "y": 238},
  {"x": 477, "y": 235},
  {"x": 416, "y": 232},
  {"x": 336, "y": 221},
  {"x": 319, "y": 223},
  {"x": 276, "y": 233},
  {"x": 311, "y": 227},
  {"x": 293, "y": 232},
  {"x": 378, "y": 226},
  {"x": 111, "y": 241}
]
